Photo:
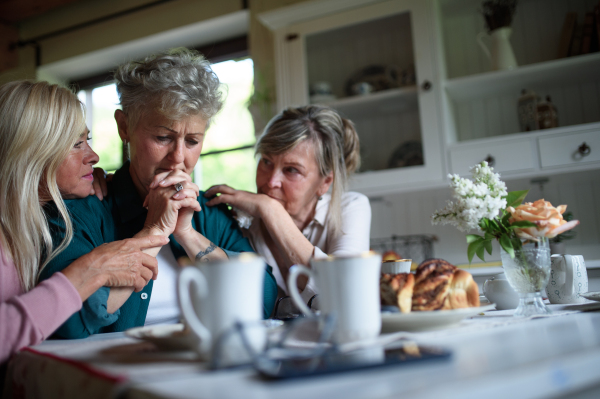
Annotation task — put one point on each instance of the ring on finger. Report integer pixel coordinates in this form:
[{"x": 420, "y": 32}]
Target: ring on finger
[{"x": 178, "y": 187}]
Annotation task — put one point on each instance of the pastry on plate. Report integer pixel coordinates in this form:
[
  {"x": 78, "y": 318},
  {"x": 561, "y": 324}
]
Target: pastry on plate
[
  {"x": 390, "y": 255},
  {"x": 441, "y": 285},
  {"x": 397, "y": 290}
]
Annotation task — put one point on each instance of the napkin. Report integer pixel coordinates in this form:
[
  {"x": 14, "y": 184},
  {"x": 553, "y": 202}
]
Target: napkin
[{"x": 244, "y": 219}]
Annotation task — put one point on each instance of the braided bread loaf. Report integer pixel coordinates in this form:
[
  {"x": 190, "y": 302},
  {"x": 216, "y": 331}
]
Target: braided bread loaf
[
  {"x": 436, "y": 285},
  {"x": 441, "y": 285},
  {"x": 432, "y": 284}
]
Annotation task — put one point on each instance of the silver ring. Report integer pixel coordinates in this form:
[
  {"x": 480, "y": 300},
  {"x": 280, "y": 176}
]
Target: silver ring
[{"x": 178, "y": 187}]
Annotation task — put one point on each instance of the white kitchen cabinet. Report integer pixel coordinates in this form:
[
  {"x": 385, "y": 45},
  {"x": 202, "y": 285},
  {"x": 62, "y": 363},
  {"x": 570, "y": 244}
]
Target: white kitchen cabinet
[
  {"x": 468, "y": 113},
  {"x": 565, "y": 149},
  {"x": 480, "y": 106},
  {"x": 506, "y": 156},
  {"x": 399, "y": 127},
  {"x": 569, "y": 150}
]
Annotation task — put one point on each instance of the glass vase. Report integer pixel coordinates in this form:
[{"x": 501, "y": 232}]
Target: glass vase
[{"x": 528, "y": 273}]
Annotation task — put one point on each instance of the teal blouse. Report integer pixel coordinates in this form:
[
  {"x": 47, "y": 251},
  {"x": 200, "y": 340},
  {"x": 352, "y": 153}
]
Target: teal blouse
[{"x": 119, "y": 216}]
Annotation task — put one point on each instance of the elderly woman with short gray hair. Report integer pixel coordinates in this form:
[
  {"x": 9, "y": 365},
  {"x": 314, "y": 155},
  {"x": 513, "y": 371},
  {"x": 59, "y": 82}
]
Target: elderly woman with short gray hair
[
  {"x": 167, "y": 102},
  {"x": 303, "y": 153}
]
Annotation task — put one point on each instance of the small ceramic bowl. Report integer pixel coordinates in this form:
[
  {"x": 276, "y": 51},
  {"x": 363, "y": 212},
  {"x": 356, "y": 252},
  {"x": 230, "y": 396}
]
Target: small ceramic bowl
[
  {"x": 498, "y": 290},
  {"x": 396, "y": 266}
]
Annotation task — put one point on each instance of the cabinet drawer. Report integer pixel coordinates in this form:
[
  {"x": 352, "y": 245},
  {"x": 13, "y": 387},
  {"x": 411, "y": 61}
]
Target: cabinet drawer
[
  {"x": 509, "y": 156},
  {"x": 564, "y": 150}
]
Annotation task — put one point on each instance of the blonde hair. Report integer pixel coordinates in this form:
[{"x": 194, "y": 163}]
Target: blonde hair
[
  {"x": 39, "y": 124},
  {"x": 337, "y": 147}
]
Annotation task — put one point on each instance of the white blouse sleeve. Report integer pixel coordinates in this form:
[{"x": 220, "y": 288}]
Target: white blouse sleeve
[{"x": 356, "y": 227}]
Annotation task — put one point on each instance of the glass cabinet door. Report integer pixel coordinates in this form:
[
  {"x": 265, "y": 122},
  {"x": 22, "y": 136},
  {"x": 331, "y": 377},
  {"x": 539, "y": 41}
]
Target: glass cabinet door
[
  {"x": 375, "y": 66},
  {"x": 366, "y": 72}
]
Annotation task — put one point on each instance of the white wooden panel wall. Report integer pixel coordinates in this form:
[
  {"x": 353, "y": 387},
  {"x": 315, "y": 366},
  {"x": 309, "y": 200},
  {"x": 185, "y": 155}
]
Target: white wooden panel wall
[
  {"x": 336, "y": 55},
  {"x": 410, "y": 213},
  {"x": 536, "y": 32}
]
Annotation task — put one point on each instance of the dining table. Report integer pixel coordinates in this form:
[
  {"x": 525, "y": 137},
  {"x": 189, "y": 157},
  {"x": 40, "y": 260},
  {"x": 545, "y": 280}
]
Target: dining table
[{"x": 491, "y": 355}]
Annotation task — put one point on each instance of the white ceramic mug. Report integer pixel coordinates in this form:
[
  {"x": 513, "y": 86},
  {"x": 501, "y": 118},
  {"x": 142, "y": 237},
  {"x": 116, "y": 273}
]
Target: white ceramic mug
[
  {"x": 213, "y": 296},
  {"x": 568, "y": 279},
  {"x": 348, "y": 288}
]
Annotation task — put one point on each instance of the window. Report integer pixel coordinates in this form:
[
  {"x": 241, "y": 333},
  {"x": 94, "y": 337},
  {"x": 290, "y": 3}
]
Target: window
[
  {"x": 101, "y": 103},
  {"x": 228, "y": 153}
]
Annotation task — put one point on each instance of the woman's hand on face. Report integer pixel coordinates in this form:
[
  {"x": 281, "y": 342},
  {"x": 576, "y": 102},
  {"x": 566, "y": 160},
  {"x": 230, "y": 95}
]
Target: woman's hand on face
[
  {"x": 117, "y": 264},
  {"x": 243, "y": 200},
  {"x": 99, "y": 187}
]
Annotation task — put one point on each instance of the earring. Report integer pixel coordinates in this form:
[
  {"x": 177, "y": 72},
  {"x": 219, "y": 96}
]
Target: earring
[{"x": 320, "y": 198}]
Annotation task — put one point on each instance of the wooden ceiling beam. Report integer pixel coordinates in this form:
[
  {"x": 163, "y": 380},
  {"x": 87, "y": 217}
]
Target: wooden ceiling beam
[
  {"x": 9, "y": 56},
  {"x": 13, "y": 11}
]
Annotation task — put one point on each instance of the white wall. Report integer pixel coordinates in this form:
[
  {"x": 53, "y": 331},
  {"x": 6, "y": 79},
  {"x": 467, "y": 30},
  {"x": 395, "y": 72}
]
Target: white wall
[{"x": 410, "y": 213}]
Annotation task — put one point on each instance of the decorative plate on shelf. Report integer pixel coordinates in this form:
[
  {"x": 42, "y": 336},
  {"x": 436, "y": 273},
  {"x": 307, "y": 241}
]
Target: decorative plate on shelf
[
  {"x": 409, "y": 153},
  {"x": 428, "y": 320}
]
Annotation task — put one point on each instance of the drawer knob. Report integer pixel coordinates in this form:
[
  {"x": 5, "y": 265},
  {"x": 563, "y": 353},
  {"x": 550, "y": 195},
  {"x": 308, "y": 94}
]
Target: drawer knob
[
  {"x": 426, "y": 85},
  {"x": 584, "y": 149},
  {"x": 490, "y": 160}
]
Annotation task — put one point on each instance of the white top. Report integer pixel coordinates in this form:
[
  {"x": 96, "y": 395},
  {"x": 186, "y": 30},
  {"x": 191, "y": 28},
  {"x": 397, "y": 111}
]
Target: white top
[
  {"x": 163, "y": 307},
  {"x": 356, "y": 229}
]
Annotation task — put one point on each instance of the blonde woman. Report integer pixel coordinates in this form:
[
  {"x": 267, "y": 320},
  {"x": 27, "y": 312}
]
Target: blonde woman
[
  {"x": 44, "y": 156},
  {"x": 302, "y": 208}
]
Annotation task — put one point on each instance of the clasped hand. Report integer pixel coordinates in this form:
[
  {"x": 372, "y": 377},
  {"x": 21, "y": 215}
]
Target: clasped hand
[{"x": 170, "y": 211}]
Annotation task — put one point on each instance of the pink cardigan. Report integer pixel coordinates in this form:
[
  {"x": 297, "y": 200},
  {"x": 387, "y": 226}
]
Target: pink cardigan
[{"x": 28, "y": 318}]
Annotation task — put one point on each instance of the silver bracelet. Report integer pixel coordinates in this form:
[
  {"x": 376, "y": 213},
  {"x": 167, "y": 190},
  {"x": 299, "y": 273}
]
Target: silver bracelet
[{"x": 208, "y": 250}]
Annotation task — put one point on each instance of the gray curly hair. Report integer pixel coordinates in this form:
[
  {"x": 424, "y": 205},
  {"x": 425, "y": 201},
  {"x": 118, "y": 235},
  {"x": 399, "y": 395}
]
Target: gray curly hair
[{"x": 176, "y": 83}]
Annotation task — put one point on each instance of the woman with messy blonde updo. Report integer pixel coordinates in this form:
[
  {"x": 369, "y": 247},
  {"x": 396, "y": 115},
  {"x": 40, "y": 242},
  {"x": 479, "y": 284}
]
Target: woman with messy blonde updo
[{"x": 304, "y": 153}]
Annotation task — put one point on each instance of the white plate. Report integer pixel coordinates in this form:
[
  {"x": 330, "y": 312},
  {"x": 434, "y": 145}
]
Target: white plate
[
  {"x": 593, "y": 296},
  {"x": 165, "y": 336},
  {"x": 176, "y": 336},
  {"x": 422, "y": 321}
]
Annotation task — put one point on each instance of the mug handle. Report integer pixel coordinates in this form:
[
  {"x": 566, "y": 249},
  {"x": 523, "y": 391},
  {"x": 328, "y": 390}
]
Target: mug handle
[
  {"x": 295, "y": 271},
  {"x": 188, "y": 276},
  {"x": 569, "y": 281}
]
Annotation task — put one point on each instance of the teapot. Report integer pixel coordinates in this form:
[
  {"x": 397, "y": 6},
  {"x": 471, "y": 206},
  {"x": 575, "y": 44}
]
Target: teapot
[{"x": 497, "y": 290}]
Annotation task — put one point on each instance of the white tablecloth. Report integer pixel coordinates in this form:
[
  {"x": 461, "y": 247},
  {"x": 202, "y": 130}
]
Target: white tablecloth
[{"x": 515, "y": 357}]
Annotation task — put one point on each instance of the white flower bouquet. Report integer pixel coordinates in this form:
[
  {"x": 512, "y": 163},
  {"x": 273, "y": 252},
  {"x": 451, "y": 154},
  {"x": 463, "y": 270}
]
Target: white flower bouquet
[{"x": 483, "y": 204}]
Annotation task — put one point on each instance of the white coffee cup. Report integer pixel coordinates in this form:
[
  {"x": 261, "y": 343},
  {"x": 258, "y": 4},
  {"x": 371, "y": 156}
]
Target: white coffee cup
[
  {"x": 568, "y": 279},
  {"x": 223, "y": 293},
  {"x": 349, "y": 289},
  {"x": 396, "y": 266}
]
